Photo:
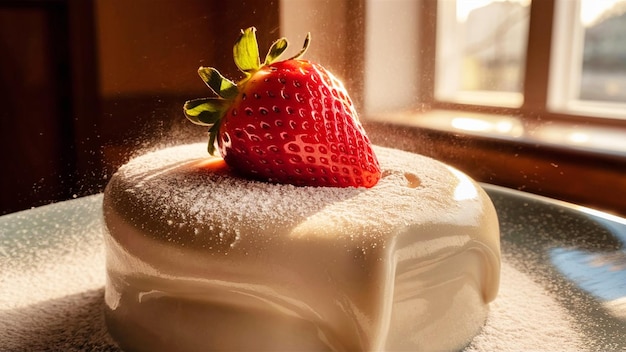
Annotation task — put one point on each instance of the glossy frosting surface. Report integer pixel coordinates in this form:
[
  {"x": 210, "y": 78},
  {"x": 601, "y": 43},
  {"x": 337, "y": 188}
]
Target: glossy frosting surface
[{"x": 408, "y": 264}]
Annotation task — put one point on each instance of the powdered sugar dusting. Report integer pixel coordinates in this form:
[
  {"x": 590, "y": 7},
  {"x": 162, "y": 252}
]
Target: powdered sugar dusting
[
  {"x": 525, "y": 317},
  {"x": 184, "y": 196}
]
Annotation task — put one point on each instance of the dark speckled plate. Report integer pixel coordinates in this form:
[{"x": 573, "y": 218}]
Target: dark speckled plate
[{"x": 578, "y": 252}]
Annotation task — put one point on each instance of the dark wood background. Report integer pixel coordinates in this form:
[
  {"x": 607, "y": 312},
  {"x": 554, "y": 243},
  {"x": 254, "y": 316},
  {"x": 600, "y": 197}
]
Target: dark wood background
[{"x": 86, "y": 83}]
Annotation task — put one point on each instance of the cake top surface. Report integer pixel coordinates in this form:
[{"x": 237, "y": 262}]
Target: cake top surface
[{"x": 181, "y": 195}]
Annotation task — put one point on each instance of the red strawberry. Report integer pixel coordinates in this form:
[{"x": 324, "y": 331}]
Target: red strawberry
[{"x": 288, "y": 122}]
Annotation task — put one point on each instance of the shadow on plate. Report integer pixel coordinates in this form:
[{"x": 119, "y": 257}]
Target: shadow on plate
[{"x": 70, "y": 323}]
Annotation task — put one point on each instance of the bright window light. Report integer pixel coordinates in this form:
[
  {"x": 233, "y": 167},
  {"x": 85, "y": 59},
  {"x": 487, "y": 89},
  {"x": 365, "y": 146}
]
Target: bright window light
[
  {"x": 588, "y": 68},
  {"x": 481, "y": 51}
]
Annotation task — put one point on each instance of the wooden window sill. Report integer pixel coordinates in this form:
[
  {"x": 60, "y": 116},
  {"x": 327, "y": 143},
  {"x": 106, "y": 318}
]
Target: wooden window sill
[{"x": 579, "y": 163}]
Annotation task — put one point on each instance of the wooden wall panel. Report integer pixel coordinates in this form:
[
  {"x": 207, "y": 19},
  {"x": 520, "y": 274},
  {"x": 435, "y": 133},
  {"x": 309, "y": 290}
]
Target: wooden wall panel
[{"x": 34, "y": 96}]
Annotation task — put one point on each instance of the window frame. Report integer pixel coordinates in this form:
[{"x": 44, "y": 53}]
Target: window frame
[{"x": 536, "y": 105}]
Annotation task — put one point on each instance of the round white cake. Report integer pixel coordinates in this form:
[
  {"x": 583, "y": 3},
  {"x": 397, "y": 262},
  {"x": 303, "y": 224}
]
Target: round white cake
[{"x": 201, "y": 259}]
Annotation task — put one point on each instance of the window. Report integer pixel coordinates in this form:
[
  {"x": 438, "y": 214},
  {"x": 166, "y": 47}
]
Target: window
[
  {"x": 493, "y": 53},
  {"x": 588, "y": 68},
  {"x": 481, "y": 51}
]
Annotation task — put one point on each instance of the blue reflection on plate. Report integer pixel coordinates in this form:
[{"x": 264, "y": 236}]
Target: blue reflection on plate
[{"x": 601, "y": 274}]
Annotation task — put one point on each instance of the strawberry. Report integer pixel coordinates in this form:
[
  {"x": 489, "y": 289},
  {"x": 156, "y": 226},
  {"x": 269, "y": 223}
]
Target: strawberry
[{"x": 286, "y": 121}]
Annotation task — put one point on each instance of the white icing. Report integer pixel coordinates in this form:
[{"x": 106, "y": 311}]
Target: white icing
[{"x": 387, "y": 268}]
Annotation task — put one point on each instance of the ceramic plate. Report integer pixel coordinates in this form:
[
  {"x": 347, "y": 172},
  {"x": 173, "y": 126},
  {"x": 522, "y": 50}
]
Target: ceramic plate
[{"x": 563, "y": 279}]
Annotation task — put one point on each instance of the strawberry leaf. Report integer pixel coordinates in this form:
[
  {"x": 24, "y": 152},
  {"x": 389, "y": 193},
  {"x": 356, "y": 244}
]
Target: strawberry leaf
[
  {"x": 205, "y": 111},
  {"x": 276, "y": 50},
  {"x": 213, "y": 131},
  {"x": 221, "y": 86},
  {"x": 246, "y": 52},
  {"x": 305, "y": 46}
]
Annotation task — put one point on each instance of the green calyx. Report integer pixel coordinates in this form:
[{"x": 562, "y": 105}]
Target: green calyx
[{"x": 209, "y": 111}]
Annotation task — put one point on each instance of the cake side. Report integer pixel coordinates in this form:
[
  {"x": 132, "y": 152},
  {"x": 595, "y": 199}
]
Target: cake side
[{"x": 339, "y": 261}]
